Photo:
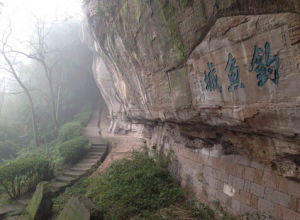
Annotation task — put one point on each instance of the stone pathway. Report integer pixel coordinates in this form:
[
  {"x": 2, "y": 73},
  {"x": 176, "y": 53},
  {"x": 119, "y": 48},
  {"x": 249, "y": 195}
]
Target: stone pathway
[
  {"x": 84, "y": 167},
  {"x": 95, "y": 155}
]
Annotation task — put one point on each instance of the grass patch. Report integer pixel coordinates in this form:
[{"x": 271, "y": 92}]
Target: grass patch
[
  {"x": 134, "y": 186},
  {"x": 140, "y": 188}
]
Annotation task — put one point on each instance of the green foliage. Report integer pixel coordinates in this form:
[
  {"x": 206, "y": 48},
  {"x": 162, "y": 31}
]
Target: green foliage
[
  {"x": 135, "y": 185},
  {"x": 72, "y": 150},
  {"x": 69, "y": 131},
  {"x": 20, "y": 176},
  {"x": 200, "y": 210},
  {"x": 84, "y": 115},
  {"x": 258, "y": 216},
  {"x": 47, "y": 150}
]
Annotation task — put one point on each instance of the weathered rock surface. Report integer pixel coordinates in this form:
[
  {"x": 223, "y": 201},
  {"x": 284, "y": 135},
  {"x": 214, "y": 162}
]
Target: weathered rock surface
[
  {"x": 150, "y": 63},
  {"x": 40, "y": 205},
  {"x": 79, "y": 208},
  {"x": 203, "y": 74}
]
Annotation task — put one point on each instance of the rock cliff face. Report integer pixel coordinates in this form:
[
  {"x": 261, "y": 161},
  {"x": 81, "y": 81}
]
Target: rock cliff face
[{"x": 216, "y": 77}]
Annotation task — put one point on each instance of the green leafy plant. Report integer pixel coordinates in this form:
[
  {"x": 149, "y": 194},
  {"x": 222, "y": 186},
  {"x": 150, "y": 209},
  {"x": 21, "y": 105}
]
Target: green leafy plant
[
  {"x": 258, "y": 216},
  {"x": 20, "y": 176},
  {"x": 135, "y": 185},
  {"x": 199, "y": 210},
  {"x": 72, "y": 150},
  {"x": 70, "y": 130}
]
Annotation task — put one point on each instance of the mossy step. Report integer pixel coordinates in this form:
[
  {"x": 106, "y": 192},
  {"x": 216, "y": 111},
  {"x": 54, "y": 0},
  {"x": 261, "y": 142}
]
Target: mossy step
[
  {"x": 65, "y": 178},
  {"x": 76, "y": 174},
  {"x": 9, "y": 208},
  {"x": 94, "y": 153}
]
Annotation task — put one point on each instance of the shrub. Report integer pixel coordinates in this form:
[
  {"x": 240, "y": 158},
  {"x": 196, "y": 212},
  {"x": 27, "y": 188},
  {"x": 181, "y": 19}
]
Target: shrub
[
  {"x": 20, "y": 176},
  {"x": 132, "y": 186},
  {"x": 69, "y": 131},
  {"x": 72, "y": 150}
]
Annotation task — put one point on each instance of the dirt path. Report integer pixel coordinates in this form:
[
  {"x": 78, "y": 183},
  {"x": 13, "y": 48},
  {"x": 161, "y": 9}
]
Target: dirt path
[{"x": 121, "y": 146}]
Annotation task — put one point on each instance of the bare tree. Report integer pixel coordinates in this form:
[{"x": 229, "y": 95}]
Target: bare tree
[
  {"x": 10, "y": 68},
  {"x": 40, "y": 53}
]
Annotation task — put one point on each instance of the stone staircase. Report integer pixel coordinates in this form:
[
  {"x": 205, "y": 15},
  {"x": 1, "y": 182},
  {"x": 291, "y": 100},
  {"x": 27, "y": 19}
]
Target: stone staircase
[{"x": 94, "y": 157}]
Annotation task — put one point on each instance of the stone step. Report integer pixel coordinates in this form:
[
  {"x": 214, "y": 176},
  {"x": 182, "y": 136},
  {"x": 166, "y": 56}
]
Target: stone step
[
  {"x": 89, "y": 161},
  {"x": 67, "y": 179},
  {"x": 24, "y": 202},
  {"x": 97, "y": 142},
  {"x": 59, "y": 184},
  {"x": 100, "y": 150},
  {"x": 94, "y": 153},
  {"x": 93, "y": 157},
  {"x": 17, "y": 217},
  {"x": 85, "y": 164},
  {"x": 98, "y": 146},
  {"x": 71, "y": 173},
  {"x": 84, "y": 169}
]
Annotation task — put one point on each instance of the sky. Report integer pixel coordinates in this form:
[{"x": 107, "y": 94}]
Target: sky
[{"x": 21, "y": 14}]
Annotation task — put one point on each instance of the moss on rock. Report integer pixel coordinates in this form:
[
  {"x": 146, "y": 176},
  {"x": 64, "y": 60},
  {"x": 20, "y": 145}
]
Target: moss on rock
[{"x": 40, "y": 205}]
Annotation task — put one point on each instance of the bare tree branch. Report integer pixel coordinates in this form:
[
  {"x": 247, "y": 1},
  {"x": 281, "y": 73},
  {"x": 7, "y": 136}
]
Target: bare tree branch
[{"x": 10, "y": 63}]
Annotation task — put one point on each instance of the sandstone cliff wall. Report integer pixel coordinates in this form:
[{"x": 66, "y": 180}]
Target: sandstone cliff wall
[{"x": 210, "y": 76}]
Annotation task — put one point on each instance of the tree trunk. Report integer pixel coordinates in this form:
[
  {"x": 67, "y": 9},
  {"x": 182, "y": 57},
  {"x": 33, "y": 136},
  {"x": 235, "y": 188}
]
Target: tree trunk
[
  {"x": 58, "y": 100},
  {"x": 34, "y": 124},
  {"x": 52, "y": 97}
]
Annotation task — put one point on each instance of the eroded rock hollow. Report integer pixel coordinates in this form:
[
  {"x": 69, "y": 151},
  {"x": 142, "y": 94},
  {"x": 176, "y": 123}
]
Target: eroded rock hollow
[{"x": 216, "y": 81}]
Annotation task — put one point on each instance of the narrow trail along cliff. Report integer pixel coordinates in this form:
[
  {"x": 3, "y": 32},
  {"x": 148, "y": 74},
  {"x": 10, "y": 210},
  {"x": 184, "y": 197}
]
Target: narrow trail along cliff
[{"x": 215, "y": 82}]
